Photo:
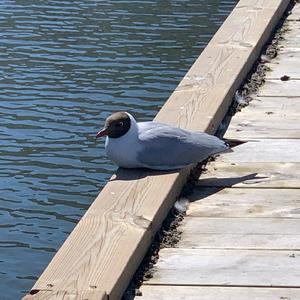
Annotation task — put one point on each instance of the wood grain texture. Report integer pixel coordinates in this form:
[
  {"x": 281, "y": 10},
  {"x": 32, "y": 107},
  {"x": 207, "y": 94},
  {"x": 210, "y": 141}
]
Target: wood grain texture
[
  {"x": 115, "y": 236},
  {"x": 240, "y": 233},
  {"x": 63, "y": 295},
  {"x": 239, "y": 202},
  {"x": 245, "y": 226},
  {"x": 206, "y": 267},
  {"x": 267, "y": 118},
  {"x": 151, "y": 292},
  {"x": 291, "y": 37},
  {"x": 278, "y": 88},
  {"x": 252, "y": 175},
  {"x": 107, "y": 245},
  {"x": 281, "y": 106},
  {"x": 265, "y": 151},
  {"x": 267, "y": 125},
  {"x": 286, "y": 63}
]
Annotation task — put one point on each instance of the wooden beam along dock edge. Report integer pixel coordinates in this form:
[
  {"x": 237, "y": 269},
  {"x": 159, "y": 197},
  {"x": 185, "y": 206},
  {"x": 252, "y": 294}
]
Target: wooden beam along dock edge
[{"x": 102, "y": 253}]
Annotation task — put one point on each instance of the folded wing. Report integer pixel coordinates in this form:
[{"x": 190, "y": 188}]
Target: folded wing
[{"x": 167, "y": 147}]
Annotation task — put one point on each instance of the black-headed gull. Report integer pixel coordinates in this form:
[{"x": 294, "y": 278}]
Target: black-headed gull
[{"x": 153, "y": 145}]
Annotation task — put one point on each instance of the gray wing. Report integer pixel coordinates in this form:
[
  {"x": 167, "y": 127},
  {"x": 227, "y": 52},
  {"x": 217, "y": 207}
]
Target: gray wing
[{"x": 167, "y": 146}]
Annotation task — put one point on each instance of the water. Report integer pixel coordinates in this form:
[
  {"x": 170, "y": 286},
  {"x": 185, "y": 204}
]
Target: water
[{"x": 64, "y": 67}]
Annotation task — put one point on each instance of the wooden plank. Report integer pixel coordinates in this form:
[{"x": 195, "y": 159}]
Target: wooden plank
[
  {"x": 240, "y": 233},
  {"x": 128, "y": 211},
  {"x": 267, "y": 117},
  {"x": 265, "y": 151},
  {"x": 291, "y": 36},
  {"x": 105, "y": 245},
  {"x": 242, "y": 226},
  {"x": 251, "y": 175},
  {"x": 264, "y": 126},
  {"x": 239, "y": 241},
  {"x": 63, "y": 295},
  {"x": 278, "y": 88},
  {"x": 278, "y": 105},
  {"x": 295, "y": 13},
  {"x": 289, "y": 68},
  {"x": 239, "y": 202},
  {"x": 152, "y": 292},
  {"x": 112, "y": 238},
  {"x": 286, "y": 63},
  {"x": 257, "y": 268}
]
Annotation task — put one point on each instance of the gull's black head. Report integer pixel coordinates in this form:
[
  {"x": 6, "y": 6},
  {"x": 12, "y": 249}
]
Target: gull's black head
[{"x": 116, "y": 125}]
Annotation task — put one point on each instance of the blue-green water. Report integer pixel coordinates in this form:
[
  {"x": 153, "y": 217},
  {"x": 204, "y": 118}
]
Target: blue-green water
[{"x": 64, "y": 67}]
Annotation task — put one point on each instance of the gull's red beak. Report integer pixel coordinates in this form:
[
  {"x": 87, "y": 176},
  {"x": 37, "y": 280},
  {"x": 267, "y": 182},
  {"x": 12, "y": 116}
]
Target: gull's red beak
[{"x": 102, "y": 132}]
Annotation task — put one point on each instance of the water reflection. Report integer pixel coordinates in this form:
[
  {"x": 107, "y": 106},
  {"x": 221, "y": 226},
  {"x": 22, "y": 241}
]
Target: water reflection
[{"x": 64, "y": 67}]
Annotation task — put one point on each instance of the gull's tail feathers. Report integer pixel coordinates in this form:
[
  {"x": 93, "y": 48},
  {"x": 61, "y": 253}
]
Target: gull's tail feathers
[{"x": 234, "y": 142}]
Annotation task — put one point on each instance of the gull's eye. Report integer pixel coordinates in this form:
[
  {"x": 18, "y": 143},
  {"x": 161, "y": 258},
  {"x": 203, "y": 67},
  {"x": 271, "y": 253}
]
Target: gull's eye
[{"x": 119, "y": 124}]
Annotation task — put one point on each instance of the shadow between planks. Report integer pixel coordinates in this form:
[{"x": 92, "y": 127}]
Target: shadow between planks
[{"x": 105, "y": 248}]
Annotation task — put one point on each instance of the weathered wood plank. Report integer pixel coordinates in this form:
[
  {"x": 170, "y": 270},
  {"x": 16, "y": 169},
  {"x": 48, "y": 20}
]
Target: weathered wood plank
[
  {"x": 239, "y": 241},
  {"x": 264, "y": 125},
  {"x": 123, "y": 236},
  {"x": 107, "y": 246},
  {"x": 240, "y": 233},
  {"x": 258, "y": 268},
  {"x": 264, "y": 105},
  {"x": 267, "y": 117},
  {"x": 239, "y": 202},
  {"x": 246, "y": 226},
  {"x": 291, "y": 36},
  {"x": 295, "y": 13},
  {"x": 151, "y": 292},
  {"x": 290, "y": 68},
  {"x": 278, "y": 88},
  {"x": 264, "y": 150},
  {"x": 286, "y": 63},
  {"x": 63, "y": 295},
  {"x": 250, "y": 175}
]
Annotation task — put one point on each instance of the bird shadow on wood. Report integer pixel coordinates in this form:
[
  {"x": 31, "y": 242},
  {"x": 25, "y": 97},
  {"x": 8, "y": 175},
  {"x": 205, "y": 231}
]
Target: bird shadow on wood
[
  {"x": 135, "y": 174},
  {"x": 213, "y": 185}
]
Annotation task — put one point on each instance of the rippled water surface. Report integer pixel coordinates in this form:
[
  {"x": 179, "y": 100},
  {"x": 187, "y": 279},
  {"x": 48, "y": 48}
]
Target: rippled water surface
[{"x": 64, "y": 67}]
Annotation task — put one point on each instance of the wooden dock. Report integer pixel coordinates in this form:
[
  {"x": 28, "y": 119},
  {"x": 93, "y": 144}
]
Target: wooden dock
[
  {"x": 102, "y": 253},
  {"x": 241, "y": 235}
]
